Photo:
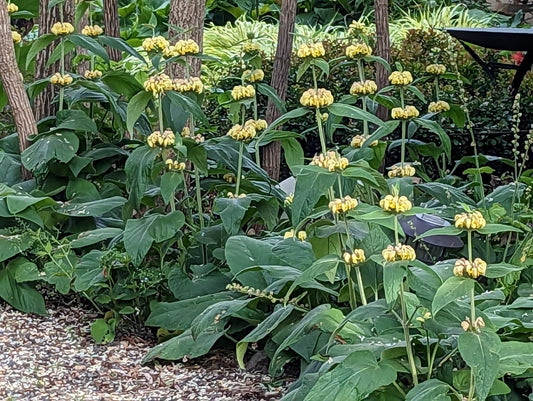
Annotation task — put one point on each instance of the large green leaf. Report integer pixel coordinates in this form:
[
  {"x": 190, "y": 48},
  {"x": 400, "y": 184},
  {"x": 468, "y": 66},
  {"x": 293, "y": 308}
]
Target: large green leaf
[
  {"x": 21, "y": 296},
  {"x": 325, "y": 265},
  {"x": 23, "y": 270},
  {"x": 231, "y": 212},
  {"x": 138, "y": 170},
  {"x": 92, "y": 237},
  {"x": 199, "y": 282},
  {"x": 95, "y": 208},
  {"x": 187, "y": 104},
  {"x": 11, "y": 245},
  {"x": 354, "y": 379},
  {"x": 481, "y": 352},
  {"x": 498, "y": 228},
  {"x": 90, "y": 44},
  {"x": 215, "y": 316},
  {"x": 170, "y": 181},
  {"x": 432, "y": 389},
  {"x": 89, "y": 271},
  {"x": 37, "y": 45},
  {"x": 61, "y": 146},
  {"x": 393, "y": 275},
  {"x": 446, "y": 194},
  {"x": 345, "y": 110},
  {"x": 451, "y": 290},
  {"x": 296, "y": 113},
  {"x": 434, "y": 127},
  {"x": 515, "y": 358},
  {"x": 140, "y": 234},
  {"x": 295, "y": 253},
  {"x": 120, "y": 44},
  {"x": 18, "y": 203},
  {"x": 268, "y": 91},
  {"x": 75, "y": 120},
  {"x": 136, "y": 106}
]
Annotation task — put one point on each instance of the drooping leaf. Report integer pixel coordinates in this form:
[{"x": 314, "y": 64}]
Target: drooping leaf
[
  {"x": 138, "y": 169},
  {"x": 136, "y": 106},
  {"x": 90, "y": 44},
  {"x": 451, "y": 290},
  {"x": 95, "y": 208},
  {"x": 21, "y": 296},
  {"x": 231, "y": 212},
  {"x": 393, "y": 275},
  {"x": 431, "y": 389},
  {"x": 61, "y": 146},
  {"x": 170, "y": 181},
  {"x": 215, "y": 316},
  {"x": 346, "y": 110}
]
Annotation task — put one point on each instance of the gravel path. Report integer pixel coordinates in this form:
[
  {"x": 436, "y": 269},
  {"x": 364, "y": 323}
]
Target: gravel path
[{"x": 53, "y": 358}]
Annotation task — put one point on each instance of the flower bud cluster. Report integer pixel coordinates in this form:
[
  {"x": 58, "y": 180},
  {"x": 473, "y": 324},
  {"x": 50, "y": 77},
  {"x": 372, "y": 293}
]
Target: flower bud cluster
[
  {"x": 175, "y": 165},
  {"x": 316, "y": 98},
  {"x": 251, "y": 47},
  {"x": 62, "y": 28},
  {"x": 186, "y": 133},
  {"x": 192, "y": 84},
  {"x": 470, "y": 221},
  {"x": 289, "y": 199},
  {"x": 331, "y": 161},
  {"x": 436, "y": 69},
  {"x": 301, "y": 235},
  {"x": 92, "y": 30},
  {"x": 358, "y": 141},
  {"x": 92, "y": 74},
  {"x": 17, "y": 38},
  {"x": 343, "y": 205},
  {"x": 158, "y": 84},
  {"x": 398, "y": 252},
  {"x": 229, "y": 177},
  {"x": 438, "y": 107},
  {"x": 367, "y": 87},
  {"x": 231, "y": 195},
  {"x": 358, "y": 50},
  {"x": 400, "y": 78},
  {"x": 181, "y": 48},
  {"x": 464, "y": 268},
  {"x": 357, "y": 256},
  {"x": 398, "y": 171},
  {"x": 357, "y": 28},
  {"x": 61, "y": 80},
  {"x": 405, "y": 113},
  {"x": 158, "y": 139},
  {"x": 157, "y": 43},
  {"x": 250, "y": 291},
  {"x": 12, "y": 8},
  {"x": 313, "y": 50},
  {"x": 253, "y": 75},
  {"x": 242, "y": 133},
  {"x": 476, "y": 326},
  {"x": 395, "y": 204},
  {"x": 242, "y": 92}
]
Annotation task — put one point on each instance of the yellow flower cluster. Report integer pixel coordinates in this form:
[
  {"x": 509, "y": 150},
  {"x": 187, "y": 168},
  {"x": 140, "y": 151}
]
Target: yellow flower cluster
[
  {"x": 343, "y": 205},
  {"x": 242, "y": 92},
  {"x": 232, "y": 196},
  {"x": 94, "y": 74},
  {"x": 464, "y": 268},
  {"x": 157, "y": 43},
  {"x": 229, "y": 177},
  {"x": 313, "y": 50},
  {"x": 476, "y": 326},
  {"x": 358, "y": 28},
  {"x": 356, "y": 257},
  {"x": 470, "y": 221},
  {"x": 301, "y": 235},
  {"x": 158, "y": 84},
  {"x": 289, "y": 199},
  {"x": 259, "y": 125},
  {"x": 316, "y": 98},
  {"x": 438, "y": 107},
  {"x": 359, "y": 50},
  {"x": 331, "y": 161},
  {"x": 398, "y": 252},
  {"x": 401, "y": 78},
  {"x": 253, "y": 75},
  {"x": 405, "y": 113},
  {"x": 16, "y": 37},
  {"x": 398, "y": 171},
  {"x": 395, "y": 204},
  {"x": 158, "y": 139},
  {"x": 251, "y": 47},
  {"x": 193, "y": 84},
  {"x": 174, "y": 165},
  {"x": 62, "y": 28},
  {"x": 436, "y": 69},
  {"x": 367, "y": 87},
  {"x": 358, "y": 141},
  {"x": 186, "y": 133},
  {"x": 92, "y": 30},
  {"x": 12, "y": 8},
  {"x": 242, "y": 133},
  {"x": 61, "y": 80},
  {"x": 181, "y": 48}
]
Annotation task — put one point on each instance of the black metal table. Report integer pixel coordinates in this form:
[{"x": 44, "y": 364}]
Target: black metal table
[{"x": 512, "y": 39}]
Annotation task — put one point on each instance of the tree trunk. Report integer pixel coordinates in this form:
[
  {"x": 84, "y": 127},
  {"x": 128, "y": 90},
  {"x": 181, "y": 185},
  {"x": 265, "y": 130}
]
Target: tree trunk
[
  {"x": 44, "y": 102},
  {"x": 280, "y": 80},
  {"x": 13, "y": 84},
  {"x": 83, "y": 65},
  {"x": 188, "y": 15},
  {"x": 112, "y": 26},
  {"x": 383, "y": 49}
]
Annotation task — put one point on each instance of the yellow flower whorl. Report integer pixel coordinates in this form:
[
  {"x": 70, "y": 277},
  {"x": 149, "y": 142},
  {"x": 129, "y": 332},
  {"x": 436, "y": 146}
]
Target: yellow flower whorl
[
  {"x": 193, "y": 84},
  {"x": 157, "y": 43},
  {"x": 175, "y": 165},
  {"x": 398, "y": 171},
  {"x": 331, "y": 161},
  {"x": 313, "y": 50},
  {"x": 253, "y": 75},
  {"x": 158, "y": 84},
  {"x": 343, "y": 205},
  {"x": 470, "y": 221},
  {"x": 242, "y": 92},
  {"x": 61, "y": 80},
  {"x": 316, "y": 98},
  {"x": 358, "y": 50},
  {"x": 464, "y": 268},
  {"x": 398, "y": 252},
  {"x": 395, "y": 204},
  {"x": 357, "y": 256},
  {"x": 12, "y": 8},
  {"x": 405, "y": 113},
  {"x": 358, "y": 141},
  {"x": 17, "y": 38},
  {"x": 400, "y": 78},
  {"x": 438, "y": 107},
  {"x": 94, "y": 74},
  {"x": 242, "y": 133},
  {"x": 62, "y": 28},
  {"x": 367, "y": 87},
  {"x": 436, "y": 69},
  {"x": 92, "y": 30},
  {"x": 157, "y": 139}
]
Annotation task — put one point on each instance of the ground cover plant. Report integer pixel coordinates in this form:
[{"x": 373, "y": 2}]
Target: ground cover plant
[{"x": 148, "y": 199}]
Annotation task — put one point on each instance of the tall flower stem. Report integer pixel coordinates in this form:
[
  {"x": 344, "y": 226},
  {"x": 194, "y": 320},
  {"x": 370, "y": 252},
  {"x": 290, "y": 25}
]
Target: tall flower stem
[
  {"x": 405, "y": 326},
  {"x": 362, "y": 79},
  {"x": 321, "y": 133},
  {"x": 404, "y": 129},
  {"x": 62, "y": 70},
  {"x": 472, "y": 317},
  {"x": 351, "y": 288},
  {"x": 360, "y": 285},
  {"x": 396, "y": 234},
  {"x": 239, "y": 168},
  {"x": 357, "y": 272}
]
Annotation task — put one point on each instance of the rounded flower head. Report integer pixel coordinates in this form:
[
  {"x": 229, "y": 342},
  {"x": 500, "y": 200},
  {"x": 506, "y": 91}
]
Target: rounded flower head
[
  {"x": 343, "y": 205},
  {"x": 250, "y": 47},
  {"x": 185, "y": 47},
  {"x": 193, "y": 84},
  {"x": 92, "y": 30},
  {"x": 401, "y": 78},
  {"x": 242, "y": 133},
  {"x": 95, "y": 74},
  {"x": 301, "y": 235},
  {"x": 357, "y": 256},
  {"x": 313, "y": 50},
  {"x": 438, "y": 107},
  {"x": 395, "y": 204},
  {"x": 367, "y": 87},
  {"x": 359, "y": 50},
  {"x": 470, "y": 221},
  {"x": 242, "y": 92},
  {"x": 62, "y": 28},
  {"x": 358, "y": 141},
  {"x": 464, "y": 268},
  {"x": 253, "y": 75},
  {"x": 398, "y": 171},
  {"x": 158, "y": 139},
  {"x": 16, "y": 37},
  {"x": 398, "y": 253},
  {"x": 316, "y": 98},
  {"x": 436, "y": 69},
  {"x": 61, "y": 80},
  {"x": 158, "y": 84},
  {"x": 288, "y": 200},
  {"x": 258, "y": 125},
  {"x": 405, "y": 113},
  {"x": 331, "y": 161},
  {"x": 12, "y": 8},
  {"x": 358, "y": 28},
  {"x": 175, "y": 165},
  {"x": 157, "y": 43},
  {"x": 231, "y": 195},
  {"x": 389, "y": 254}
]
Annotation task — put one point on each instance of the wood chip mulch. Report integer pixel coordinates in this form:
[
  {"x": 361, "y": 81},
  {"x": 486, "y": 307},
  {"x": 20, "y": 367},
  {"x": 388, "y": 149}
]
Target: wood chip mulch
[{"x": 54, "y": 358}]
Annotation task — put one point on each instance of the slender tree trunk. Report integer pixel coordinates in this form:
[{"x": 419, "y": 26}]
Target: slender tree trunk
[
  {"x": 383, "y": 48},
  {"x": 188, "y": 16},
  {"x": 280, "y": 80},
  {"x": 44, "y": 102},
  {"x": 84, "y": 65},
  {"x": 13, "y": 84},
  {"x": 112, "y": 26}
]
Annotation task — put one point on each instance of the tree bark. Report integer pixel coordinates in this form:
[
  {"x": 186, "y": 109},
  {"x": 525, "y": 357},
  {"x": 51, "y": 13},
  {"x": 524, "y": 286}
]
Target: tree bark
[
  {"x": 13, "y": 84},
  {"x": 44, "y": 102},
  {"x": 188, "y": 16},
  {"x": 83, "y": 65},
  {"x": 112, "y": 26},
  {"x": 280, "y": 80},
  {"x": 382, "y": 49}
]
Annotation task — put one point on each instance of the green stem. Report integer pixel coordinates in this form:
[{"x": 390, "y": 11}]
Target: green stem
[
  {"x": 239, "y": 168},
  {"x": 432, "y": 360},
  {"x": 404, "y": 129},
  {"x": 339, "y": 183},
  {"x": 469, "y": 245},
  {"x": 200, "y": 207},
  {"x": 437, "y": 91},
  {"x": 351, "y": 289},
  {"x": 400, "y": 390},
  {"x": 321, "y": 130},
  {"x": 62, "y": 70},
  {"x": 360, "y": 284},
  {"x": 160, "y": 114},
  {"x": 405, "y": 325},
  {"x": 396, "y": 235},
  {"x": 315, "y": 82},
  {"x": 362, "y": 79}
]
